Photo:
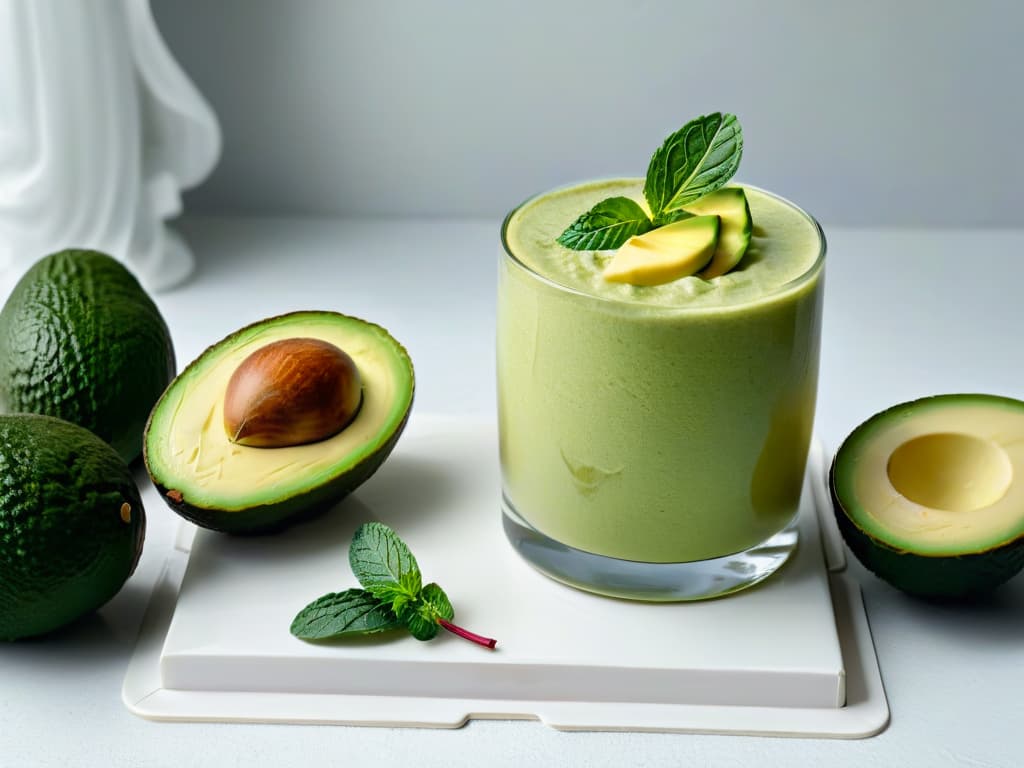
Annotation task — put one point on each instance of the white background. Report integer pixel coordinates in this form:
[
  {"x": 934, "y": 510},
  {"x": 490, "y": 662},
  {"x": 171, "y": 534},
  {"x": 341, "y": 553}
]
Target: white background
[{"x": 874, "y": 112}]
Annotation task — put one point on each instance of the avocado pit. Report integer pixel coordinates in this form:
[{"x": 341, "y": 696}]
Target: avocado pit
[{"x": 291, "y": 392}]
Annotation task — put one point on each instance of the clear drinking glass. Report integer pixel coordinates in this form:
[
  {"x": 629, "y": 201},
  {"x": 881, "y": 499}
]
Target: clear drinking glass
[{"x": 654, "y": 452}]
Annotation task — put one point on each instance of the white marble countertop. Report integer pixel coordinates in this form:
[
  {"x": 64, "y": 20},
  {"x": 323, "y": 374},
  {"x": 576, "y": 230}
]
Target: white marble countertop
[{"x": 908, "y": 313}]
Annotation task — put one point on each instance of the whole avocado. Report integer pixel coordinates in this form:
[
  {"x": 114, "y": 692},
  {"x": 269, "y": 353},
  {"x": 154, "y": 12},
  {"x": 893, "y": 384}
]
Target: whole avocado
[
  {"x": 82, "y": 341},
  {"x": 71, "y": 524}
]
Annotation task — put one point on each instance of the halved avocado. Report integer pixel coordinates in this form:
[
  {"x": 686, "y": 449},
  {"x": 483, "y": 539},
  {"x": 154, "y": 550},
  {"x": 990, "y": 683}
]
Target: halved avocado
[
  {"x": 930, "y": 494},
  {"x": 226, "y": 486},
  {"x": 730, "y": 204}
]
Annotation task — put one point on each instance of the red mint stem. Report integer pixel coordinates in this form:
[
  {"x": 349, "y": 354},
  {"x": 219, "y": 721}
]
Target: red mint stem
[{"x": 473, "y": 637}]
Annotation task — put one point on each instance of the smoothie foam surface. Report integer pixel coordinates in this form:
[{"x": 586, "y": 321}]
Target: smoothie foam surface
[{"x": 785, "y": 244}]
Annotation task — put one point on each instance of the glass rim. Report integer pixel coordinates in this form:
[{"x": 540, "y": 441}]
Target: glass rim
[{"x": 790, "y": 285}]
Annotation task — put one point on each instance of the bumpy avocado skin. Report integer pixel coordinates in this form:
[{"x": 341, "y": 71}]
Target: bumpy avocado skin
[
  {"x": 82, "y": 341},
  {"x": 933, "y": 578},
  {"x": 66, "y": 547},
  {"x": 271, "y": 518}
]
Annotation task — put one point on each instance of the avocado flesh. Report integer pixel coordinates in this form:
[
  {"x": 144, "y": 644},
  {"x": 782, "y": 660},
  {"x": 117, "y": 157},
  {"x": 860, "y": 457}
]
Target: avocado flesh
[
  {"x": 226, "y": 486},
  {"x": 668, "y": 253},
  {"x": 729, "y": 204},
  {"x": 930, "y": 494}
]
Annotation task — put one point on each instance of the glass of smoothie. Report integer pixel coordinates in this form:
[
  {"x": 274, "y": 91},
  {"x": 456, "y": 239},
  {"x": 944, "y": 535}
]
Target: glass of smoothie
[{"x": 653, "y": 439}]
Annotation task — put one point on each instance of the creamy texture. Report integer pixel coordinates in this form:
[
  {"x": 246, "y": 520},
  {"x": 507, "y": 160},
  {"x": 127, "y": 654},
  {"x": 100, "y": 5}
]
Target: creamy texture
[
  {"x": 992, "y": 478},
  {"x": 667, "y": 423},
  {"x": 212, "y": 471},
  {"x": 784, "y": 245}
]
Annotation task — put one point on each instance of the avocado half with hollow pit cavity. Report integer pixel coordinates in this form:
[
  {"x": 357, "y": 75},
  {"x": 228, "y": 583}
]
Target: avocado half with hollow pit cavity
[
  {"x": 930, "y": 494},
  {"x": 216, "y": 482}
]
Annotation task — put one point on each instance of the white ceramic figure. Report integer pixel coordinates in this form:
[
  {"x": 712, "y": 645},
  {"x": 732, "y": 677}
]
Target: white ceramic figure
[{"x": 99, "y": 131}]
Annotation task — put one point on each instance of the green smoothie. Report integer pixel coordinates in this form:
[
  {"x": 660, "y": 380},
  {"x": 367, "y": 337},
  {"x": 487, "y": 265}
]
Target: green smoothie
[{"x": 664, "y": 423}]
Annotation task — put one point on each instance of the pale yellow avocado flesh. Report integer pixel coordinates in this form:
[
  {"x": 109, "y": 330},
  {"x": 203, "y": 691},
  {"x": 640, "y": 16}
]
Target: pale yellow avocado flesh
[
  {"x": 941, "y": 481},
  {"x": 211, "y": 471},
  {"x": 665, "y": 254}
]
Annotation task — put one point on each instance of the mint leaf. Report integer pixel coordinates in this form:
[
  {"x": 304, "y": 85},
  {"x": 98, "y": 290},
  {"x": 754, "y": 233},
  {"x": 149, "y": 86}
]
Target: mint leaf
[
  {"x": 697, "y": 159},
  {"x": 383, "y": 563},
  {"x": 672, "y": 217},
  {"x": 607, "y": 225},
  {"x": 393, "y": 595},
  {"x": 421, "y": 627},
  {"x": 438, "y": 602},
  {"x": 421, "y": 616},
  {"x": 352, "y": 612}
]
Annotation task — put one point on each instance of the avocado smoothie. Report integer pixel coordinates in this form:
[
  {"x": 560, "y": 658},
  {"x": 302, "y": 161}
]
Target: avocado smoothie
[{"x": 656, "y": 423}]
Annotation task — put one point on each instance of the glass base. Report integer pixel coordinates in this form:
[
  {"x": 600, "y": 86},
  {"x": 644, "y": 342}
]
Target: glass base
[{"x": 696, "y": 580}]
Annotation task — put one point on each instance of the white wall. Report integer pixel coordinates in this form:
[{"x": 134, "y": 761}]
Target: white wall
[{"x": 880, "y": 112}]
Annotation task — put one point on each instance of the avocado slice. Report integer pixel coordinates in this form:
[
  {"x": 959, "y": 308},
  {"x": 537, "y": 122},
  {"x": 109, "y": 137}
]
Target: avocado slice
[
  {"x": 227, "y": 486},
  {"x": 667, "y": 253},
  {"x": 730, "y": 203},
  {"x": 930, "y": 494}
]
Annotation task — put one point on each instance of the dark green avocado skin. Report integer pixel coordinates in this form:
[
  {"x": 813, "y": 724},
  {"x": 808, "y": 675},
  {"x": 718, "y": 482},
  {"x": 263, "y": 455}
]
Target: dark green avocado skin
[
  {"x": 270, "y": 518},
  {"x": 65, "y": 549},
  {"x": 934, "y": 578},
  {"x": 82, "y": 341}
]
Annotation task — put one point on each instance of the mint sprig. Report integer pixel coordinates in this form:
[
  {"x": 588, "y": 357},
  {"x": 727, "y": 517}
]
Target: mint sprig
[
  {"x": 694, "y": 161},
  {"x": 392, "y": 596}
]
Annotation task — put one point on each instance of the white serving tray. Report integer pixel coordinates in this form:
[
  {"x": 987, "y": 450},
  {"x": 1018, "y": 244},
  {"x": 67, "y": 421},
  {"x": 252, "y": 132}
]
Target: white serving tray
[{"x": 792, "y": 656}]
